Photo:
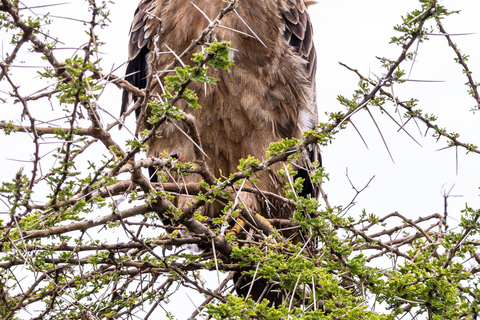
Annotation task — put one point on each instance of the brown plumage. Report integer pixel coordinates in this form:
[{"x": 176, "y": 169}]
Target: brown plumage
[{"x": 268, "y": 95}]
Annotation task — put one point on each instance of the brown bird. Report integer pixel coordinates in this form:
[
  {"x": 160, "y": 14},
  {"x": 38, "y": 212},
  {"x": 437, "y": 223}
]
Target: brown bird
[{"x": 269, "y": 94}]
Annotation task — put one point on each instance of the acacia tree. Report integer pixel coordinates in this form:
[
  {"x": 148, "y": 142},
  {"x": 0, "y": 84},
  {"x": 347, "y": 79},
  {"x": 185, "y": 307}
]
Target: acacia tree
[{"x": 83, "y": 237}]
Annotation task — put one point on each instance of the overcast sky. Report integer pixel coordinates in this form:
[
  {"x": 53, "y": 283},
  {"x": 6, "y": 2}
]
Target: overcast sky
[{"x": 353, "y": 32}]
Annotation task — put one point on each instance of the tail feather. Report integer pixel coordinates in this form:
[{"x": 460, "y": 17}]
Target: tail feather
[
  {"x": 309, "y": 188},
  {"x": 137, "y": 71}
]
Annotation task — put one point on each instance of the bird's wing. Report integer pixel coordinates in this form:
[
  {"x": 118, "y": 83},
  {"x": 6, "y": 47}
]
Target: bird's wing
[
  {"x": 146, "y": 24},
  {"x": 298, "y": 32}
]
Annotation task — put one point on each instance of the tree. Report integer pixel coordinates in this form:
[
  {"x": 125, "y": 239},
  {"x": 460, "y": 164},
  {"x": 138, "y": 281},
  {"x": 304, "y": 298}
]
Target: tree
[{"x": 82, "y": 238}]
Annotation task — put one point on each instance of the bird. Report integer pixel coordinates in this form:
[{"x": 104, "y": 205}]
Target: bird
[{"x": 269, "y": 94}]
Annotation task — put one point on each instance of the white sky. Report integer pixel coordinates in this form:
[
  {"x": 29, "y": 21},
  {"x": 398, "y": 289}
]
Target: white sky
[
  {"x": 352, "y": 32},
  {"x": 413, "y": 184}
]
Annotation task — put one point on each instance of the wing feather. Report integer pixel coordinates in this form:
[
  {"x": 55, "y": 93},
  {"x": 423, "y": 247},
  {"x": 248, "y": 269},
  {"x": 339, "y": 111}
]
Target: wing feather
[
  {"x": 298, "y": 32},
  {"x": 146, "y": 24}
]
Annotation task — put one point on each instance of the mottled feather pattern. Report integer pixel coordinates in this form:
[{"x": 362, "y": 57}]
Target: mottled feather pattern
[
  {"x": 297, "y": 30},
  {"x": 268, "y": 95},
  {"x": 144, "y": 27}
]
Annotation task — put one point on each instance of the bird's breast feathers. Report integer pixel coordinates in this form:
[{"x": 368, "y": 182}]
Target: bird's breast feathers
[{"x": 269, "y": 92}]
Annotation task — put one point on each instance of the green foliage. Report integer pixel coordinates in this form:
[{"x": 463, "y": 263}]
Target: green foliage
[
  {"x": 248, "y": 163},
  {"x": 9, "y": 128},
  {"x": 58, "y": 211},
  {"x": 176, "y": 85},
  {"x": 220, "y": 55},
  {"x": 276, "y": 148},
  {"x": 80, "y": 88},
  {"x": 296, "y": 274}
]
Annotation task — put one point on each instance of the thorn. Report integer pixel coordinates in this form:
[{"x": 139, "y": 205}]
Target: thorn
[{"x": 249, "y": 28}]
